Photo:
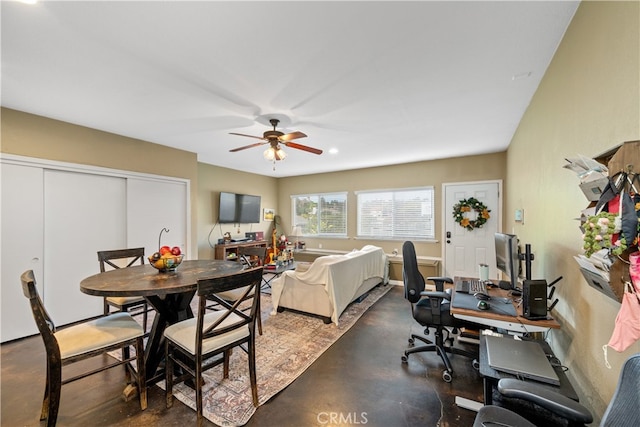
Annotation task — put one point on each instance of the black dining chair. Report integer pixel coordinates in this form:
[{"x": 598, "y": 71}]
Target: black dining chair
[
  {"x": 192, "y": 344},
  {"x": 122, "y": 258},
  {"x": 250, "y": 257},
  {"x": 79, "y": 342}
]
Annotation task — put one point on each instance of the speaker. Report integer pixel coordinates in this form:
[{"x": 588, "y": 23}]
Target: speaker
[{"x": 534, "y": 299}]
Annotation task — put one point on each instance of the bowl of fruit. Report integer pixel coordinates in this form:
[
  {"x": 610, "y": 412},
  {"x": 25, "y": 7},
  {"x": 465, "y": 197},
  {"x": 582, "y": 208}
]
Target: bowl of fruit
[{"x": 166, "y": 259}]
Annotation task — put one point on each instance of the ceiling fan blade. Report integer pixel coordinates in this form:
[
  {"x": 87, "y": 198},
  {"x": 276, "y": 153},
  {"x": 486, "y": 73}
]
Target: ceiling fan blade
[
  {"x": 247, "y": 146},
  {"x": 302, "y": 147},
  {"x": 248, "y": 136},
  {"x": 291, "y": 136}
]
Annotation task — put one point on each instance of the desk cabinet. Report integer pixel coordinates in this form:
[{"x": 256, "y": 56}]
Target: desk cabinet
[{"x": 229, "y": 251}]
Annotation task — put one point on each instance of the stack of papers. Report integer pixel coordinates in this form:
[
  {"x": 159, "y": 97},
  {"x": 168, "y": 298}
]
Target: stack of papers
[{"x": 593, "y": 175}]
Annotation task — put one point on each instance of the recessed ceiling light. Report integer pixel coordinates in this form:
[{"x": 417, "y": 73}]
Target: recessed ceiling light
[{"x": 333, "y": 151}]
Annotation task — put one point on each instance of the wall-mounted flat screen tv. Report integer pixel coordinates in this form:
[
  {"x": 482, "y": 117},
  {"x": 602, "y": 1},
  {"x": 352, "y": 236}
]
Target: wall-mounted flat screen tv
[{"x": 238, "y": 208}]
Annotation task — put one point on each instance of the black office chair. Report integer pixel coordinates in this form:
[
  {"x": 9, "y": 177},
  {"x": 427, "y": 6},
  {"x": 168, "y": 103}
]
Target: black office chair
[
  {"x": 431, "y": 310},
  {"x": 622, "y": 410}
]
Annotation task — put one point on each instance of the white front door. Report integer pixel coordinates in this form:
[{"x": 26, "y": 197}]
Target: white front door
[{"x": 465, "y": 249}]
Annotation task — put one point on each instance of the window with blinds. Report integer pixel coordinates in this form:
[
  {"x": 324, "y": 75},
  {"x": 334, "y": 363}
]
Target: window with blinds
[
  {"x": 396, "y": 214},
  {"x": 320, "y": 214}
]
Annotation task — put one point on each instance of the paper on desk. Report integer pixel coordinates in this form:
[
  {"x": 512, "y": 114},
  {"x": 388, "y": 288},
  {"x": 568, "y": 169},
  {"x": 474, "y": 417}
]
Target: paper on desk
[{"x": 588, "y": 265}]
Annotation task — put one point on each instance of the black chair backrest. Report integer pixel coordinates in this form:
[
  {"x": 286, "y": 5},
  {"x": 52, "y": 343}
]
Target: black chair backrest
[
  {"x": 623, "y": 408},
  {"x": 413, "y": 279},
  {"x": 105, "y": 257},
  {"x": 247, "y": 253},
  {"x": 40, "y": 315},
  {"x": 249, "y": 281}
]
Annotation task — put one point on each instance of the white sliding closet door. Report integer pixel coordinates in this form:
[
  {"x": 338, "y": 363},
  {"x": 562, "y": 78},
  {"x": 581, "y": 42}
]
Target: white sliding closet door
[
  {"x": 153, "y": 205},
  {"x": 22, "y": 232},
  {"x": 84, "y": 213}
]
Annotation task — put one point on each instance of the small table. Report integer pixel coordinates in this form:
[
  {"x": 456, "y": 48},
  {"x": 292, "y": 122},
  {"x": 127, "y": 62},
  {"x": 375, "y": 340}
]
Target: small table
[
  {"x": 276, "y": 272},
  {"x": 490, "y": 376},
  {"x": 170, "y": 294}
]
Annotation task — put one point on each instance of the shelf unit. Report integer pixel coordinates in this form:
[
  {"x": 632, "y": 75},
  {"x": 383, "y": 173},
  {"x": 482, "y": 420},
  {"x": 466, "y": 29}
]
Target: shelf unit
[
  {"x": 229, "y": 251},
  {"x": 624, "y": 157}
]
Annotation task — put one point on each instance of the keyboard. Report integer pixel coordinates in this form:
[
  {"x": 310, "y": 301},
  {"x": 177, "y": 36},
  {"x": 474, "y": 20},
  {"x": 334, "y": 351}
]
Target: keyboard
[{"x": 471, "y": 286}]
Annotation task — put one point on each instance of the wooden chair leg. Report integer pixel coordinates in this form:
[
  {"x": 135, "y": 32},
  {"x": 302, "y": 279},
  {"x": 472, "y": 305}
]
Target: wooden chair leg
[
  {"x": 44, "y": 412},
  {"x": 252, "y": 373},
  {"x": 142, "y": 377},
  {"x": 225, "y": 364},
  {"x": 126, "y": 353},
  {"x": 199, "y": 382},
  {"x": 55, "y": 387},
  {"x": 144, "y": 317},
  {"x": 168, "y": 375},
  {"x": 259, "y": 314}
]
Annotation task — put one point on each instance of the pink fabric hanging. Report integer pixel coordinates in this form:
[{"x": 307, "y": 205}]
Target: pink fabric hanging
[{"x": 627, "y": 328}]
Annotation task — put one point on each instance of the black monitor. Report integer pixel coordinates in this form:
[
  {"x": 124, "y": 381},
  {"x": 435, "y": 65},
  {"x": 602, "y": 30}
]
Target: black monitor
[{"x": 507, "y": 259}]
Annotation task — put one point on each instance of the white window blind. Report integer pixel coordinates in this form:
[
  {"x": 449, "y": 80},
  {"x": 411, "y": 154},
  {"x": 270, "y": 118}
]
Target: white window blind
[{"x": 396, "y": 213}]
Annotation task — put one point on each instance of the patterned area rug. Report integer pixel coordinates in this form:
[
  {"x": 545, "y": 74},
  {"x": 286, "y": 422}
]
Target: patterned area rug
[{"x": 290, "y": 343}]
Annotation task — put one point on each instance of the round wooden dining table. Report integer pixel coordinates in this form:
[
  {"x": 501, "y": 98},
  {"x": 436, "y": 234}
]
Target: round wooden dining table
[{"x": 170, "y": 293}]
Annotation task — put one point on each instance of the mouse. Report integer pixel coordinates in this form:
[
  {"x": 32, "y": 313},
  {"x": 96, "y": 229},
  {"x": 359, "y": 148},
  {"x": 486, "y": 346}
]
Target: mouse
[
  {"x": 483, "y": 305},
  {"x": 481, "y": 296}
]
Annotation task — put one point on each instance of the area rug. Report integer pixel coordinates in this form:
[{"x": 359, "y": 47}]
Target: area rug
[{"x": 290, "y": 343}]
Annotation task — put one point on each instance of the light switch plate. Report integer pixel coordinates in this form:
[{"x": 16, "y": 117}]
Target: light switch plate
[{"x": 519, "y": 215}]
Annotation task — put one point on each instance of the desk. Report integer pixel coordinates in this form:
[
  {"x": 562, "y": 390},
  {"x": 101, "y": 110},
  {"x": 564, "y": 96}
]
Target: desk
[
  {"x": 518, "y": 324},
  {"x": 169, "y": 293},
  {"x": 490, "y": 376}
]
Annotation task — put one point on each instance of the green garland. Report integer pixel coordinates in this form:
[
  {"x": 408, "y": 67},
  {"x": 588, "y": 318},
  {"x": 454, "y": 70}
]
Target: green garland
[
  {"x": 467, "y": 205},
  {"x": 598, "y": 232}
]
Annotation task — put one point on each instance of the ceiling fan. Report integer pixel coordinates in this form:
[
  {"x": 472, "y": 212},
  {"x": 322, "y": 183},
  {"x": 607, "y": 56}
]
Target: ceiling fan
[{"x": 275, "y": 138}]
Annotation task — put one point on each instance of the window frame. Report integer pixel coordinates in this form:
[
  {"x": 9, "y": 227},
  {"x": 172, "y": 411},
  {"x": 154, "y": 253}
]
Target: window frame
[
  {"x": 428, "y": 235},
  {"x": 305, "y": 233}
]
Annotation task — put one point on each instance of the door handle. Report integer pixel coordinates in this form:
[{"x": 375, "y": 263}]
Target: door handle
[{"x": 448, "y": 237}]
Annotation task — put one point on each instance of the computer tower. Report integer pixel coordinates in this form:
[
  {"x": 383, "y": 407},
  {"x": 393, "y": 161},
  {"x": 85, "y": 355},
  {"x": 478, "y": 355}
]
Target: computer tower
[{"x": 534, "y": 299}]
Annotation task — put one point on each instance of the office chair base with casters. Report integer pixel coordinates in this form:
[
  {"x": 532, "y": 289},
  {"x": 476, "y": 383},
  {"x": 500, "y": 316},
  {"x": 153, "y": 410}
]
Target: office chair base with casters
[
  {"x": 442, "y": 350},
  {"x": 431, "y": 310}
]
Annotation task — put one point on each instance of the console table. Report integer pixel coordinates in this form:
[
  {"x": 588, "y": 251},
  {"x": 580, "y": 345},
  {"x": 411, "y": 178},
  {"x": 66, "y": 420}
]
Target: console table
[{"x": 229, "y": 251}]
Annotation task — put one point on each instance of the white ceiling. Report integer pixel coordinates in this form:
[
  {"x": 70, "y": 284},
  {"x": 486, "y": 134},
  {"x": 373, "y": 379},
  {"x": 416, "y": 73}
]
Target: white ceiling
[{"x": 382, "y": 82}]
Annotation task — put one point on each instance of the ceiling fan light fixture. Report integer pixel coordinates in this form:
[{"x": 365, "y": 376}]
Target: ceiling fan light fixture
[
  {"x": 272, "y": 154},
  {"x": 269, "y": 154}
]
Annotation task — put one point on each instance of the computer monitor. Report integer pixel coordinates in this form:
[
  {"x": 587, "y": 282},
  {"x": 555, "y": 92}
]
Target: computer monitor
[{"x": 507, "y": 259}]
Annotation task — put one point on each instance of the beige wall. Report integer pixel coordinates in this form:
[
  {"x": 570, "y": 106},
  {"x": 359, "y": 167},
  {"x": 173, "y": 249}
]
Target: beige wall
[
  {"x": 211, "y": 181},
  {"x": 587, "y": 103},
  {"x": 431, "y": 173}
]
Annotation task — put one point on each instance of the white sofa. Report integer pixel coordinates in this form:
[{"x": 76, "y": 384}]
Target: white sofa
[{"x": 330, "y": 283}]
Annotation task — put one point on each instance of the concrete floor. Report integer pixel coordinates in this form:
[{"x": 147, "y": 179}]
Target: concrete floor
[{"x": 360, "y": 381}]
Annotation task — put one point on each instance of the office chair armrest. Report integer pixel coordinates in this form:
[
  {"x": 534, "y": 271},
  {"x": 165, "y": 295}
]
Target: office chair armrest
[
  {"x": 436, "y": 294},
  {"x": 546, "y": 398},
  {"x": 440, "y": 279}
]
